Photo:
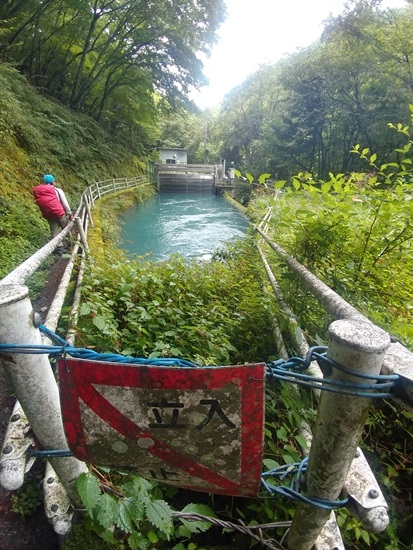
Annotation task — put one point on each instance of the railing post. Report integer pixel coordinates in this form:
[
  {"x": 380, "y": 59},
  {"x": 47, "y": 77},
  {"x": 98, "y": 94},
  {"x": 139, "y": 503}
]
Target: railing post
[
  {"x": 91, "y": 201},
  {"x": 358, "y": 346},
  {"x": 88, "y": 210},
  {"x": 82, "y": 234},
  {"x": 34, "y": 382}
]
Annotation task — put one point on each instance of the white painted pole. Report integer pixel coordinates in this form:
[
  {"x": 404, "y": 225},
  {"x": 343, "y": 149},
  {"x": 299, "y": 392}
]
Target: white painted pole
[
  {"x": 82, "y": 234},
  {"x": 13, "y": 461},
  {"x": 34, "y": 382},
  {"x": 360, "y": 347}
]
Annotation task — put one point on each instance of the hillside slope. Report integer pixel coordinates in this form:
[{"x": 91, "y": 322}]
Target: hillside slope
[{"x": 38, "y": 135}]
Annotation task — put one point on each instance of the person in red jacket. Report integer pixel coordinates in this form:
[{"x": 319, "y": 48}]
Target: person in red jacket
[{"x": 53, "y": 205}]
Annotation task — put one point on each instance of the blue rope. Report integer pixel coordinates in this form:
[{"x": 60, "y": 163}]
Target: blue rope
[
  {"x": 51, "y": 453},
  {"x": 63, "y": 348},
  {"x": 290, "y": 371},
  {"x": 287, "y": 371},
  {"x": 297, "y": 469}
]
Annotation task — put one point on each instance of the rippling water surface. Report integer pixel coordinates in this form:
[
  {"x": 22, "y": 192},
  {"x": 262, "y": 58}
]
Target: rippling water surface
[{"x": 192, "y": 225}]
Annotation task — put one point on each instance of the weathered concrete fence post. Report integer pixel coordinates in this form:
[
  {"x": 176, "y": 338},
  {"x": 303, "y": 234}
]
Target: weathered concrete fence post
[
  {"x": 357, "y": 346},
  {"x": 34, "y": 382}
]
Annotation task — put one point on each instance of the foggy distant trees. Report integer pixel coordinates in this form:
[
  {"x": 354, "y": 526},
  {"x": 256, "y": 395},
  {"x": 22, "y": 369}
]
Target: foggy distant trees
[{"x": 306, "y": 112}]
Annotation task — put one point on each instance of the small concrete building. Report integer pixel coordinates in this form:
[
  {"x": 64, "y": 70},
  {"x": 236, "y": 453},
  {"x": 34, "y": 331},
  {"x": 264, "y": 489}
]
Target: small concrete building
[{"x": 172, "y": 155}]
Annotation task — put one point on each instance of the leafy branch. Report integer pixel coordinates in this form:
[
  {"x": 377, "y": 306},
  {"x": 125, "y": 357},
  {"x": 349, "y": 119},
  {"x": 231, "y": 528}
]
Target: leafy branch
[{"x": 132, "y": 509}]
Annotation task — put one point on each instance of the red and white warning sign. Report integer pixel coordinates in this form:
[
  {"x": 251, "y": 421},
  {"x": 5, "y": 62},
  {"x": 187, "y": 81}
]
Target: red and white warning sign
[{"x": 197, "y": 428}]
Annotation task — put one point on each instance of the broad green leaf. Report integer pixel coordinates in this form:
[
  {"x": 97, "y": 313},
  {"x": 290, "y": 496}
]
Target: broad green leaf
[
  {"x": 263, "y": 178},
  {"x": 159, "y": 514},
  {"x": 301, "y": 441},
  {"x": 107, "y": 510},
  {"x": 249, "y": 177},
  {"x": 137, "y": 541},
  {"x": 124, "y": 518},
  {"x": 136, "y": 507},
  {"x": 270, "y": 464},
  {"x": 84, "y": 309},
  {"x": 197, "y": 526},
  {"x": 99, "y": 322},
  {"x": 282, "y": 434},
  {"x": 89, "y": 491},
  {"x": 199, "y": 509},
  {"x": 153, "y": 537},
  {"x": 365, "y": 536},
  {"x": 137, "y": 487}
]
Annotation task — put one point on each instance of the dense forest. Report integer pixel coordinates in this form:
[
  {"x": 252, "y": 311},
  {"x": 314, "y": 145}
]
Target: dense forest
[{"x": 91, "y": 88}]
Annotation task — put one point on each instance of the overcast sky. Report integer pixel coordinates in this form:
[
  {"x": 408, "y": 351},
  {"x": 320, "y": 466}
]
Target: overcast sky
[{"x": 261, "y": 31}]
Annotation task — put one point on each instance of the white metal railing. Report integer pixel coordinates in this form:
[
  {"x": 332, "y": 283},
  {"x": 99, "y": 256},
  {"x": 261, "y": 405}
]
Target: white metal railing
[
  {"x": 81, "y": 217},
  {"x": 34, "y": 383},
  {"x": 397, "y": 360}
]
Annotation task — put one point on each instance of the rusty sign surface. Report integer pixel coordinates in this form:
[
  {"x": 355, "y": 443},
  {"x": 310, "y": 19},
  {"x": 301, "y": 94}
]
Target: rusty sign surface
[{"x": 197, "y": 428}]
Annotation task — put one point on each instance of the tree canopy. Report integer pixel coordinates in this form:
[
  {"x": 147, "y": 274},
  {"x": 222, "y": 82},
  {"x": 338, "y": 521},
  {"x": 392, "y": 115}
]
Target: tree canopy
[
  {"x": 307, "y": 111},
  {"x": 107, "y": 58}
]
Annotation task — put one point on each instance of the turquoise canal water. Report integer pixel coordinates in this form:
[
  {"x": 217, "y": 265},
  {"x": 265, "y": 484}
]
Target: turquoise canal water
[{"x": 191, "y": 225}]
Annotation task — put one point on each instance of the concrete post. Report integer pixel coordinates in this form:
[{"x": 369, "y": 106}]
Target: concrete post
[
  {"x": 360, "y": 347},
  {"x": 34, "y": 382}
]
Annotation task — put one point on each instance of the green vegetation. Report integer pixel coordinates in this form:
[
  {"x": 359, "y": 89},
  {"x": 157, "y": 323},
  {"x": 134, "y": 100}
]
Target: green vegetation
[
  {"x": 114, "y": 61},
  {"x": 124, "y": 69},
  {"x": 354, "y": 231},
  {"x": 146, "y": 309},
  {"x": 38, "y": 136},
  {"x": 28, "y": 499},
  {"x": 177, "y": 309},
  {"x": 308, "y": 110}
]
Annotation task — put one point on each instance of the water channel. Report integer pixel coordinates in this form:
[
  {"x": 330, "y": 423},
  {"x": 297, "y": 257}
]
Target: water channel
[{"x": 194, "y": 226}]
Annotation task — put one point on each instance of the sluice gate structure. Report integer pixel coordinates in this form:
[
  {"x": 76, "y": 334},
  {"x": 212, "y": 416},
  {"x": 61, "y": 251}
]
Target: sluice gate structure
[{"x": 188, "y": 178}]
